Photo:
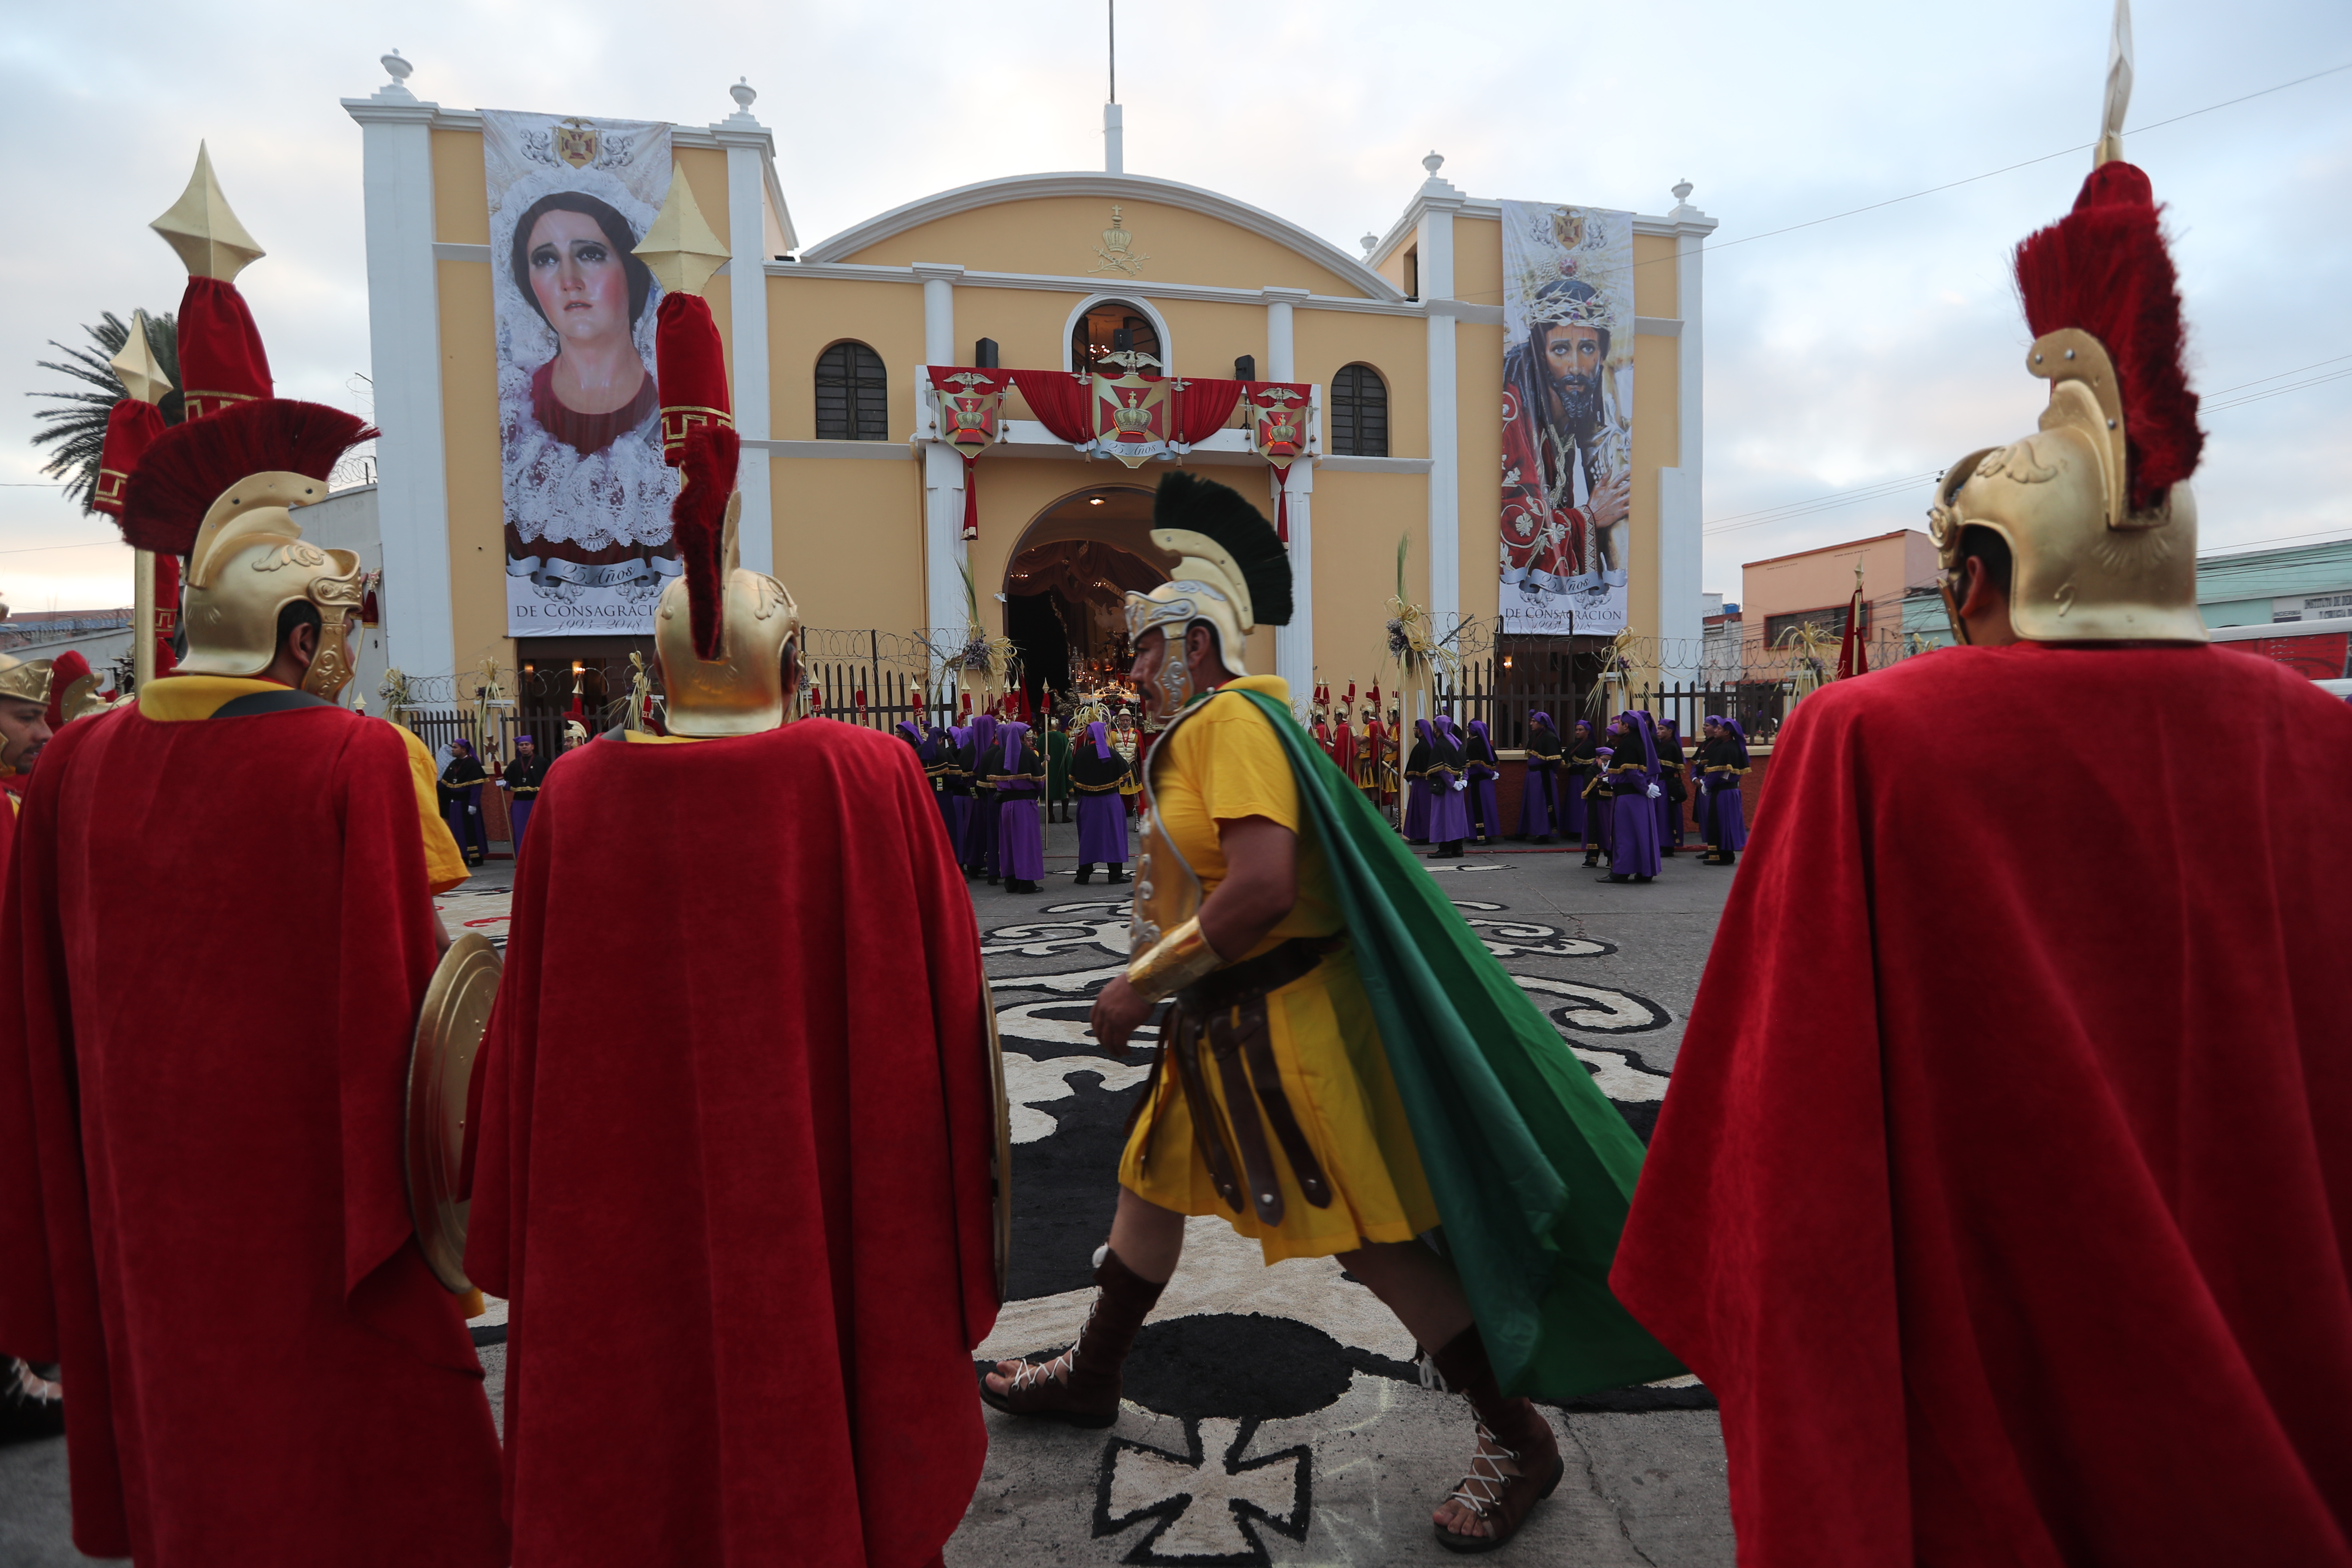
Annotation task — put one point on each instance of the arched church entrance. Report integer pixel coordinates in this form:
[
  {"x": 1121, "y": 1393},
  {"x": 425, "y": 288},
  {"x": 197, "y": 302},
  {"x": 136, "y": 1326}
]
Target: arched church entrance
[{"x": 1066, "y": 583}]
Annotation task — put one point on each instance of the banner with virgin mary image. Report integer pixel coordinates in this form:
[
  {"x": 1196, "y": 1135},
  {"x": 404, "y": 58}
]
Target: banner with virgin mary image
[
  {"x": 587, "y": 496},
  {"x": 1568, "y": 418}
]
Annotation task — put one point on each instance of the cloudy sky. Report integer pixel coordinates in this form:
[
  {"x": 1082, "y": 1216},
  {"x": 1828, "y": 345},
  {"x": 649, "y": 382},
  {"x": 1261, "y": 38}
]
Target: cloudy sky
[{"x": 1841, "y": 355}]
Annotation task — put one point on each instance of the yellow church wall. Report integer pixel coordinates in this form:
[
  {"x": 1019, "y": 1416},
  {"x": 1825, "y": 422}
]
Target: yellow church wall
[
  {"x": 1478, "y": 263},
  {"x": 461, "y": 189},
  {"x": 470, "y": 434},
  {"x": 1028, "y": 325},
  {"x": 1059, "y": 237},
  {"x": 1206, "y": 338},
  {"x": 849, "y": 540},
  {"x": 1324, "y": 341},
  {"x": 807, "y": 315},
  {"x": 1358, "y": 521},
  {"x": 1653, "y": 275}
]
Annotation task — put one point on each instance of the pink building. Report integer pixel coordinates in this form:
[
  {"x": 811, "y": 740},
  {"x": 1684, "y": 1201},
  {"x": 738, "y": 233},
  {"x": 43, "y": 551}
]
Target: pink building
[{"x": 1817, "y": 585}]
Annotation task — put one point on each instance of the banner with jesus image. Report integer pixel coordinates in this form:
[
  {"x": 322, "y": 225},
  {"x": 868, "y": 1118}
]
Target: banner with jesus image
[{"x": 1568, "y": 418}]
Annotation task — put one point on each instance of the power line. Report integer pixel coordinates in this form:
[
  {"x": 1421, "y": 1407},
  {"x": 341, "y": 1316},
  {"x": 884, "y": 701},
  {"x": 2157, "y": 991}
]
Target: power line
[
  {"x": 2273, "y": 392},
  {"x": 1712, "y": 247}
]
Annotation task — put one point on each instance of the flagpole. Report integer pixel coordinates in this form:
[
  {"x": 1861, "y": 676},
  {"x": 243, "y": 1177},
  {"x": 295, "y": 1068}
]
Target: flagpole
[{"x": 143, "y": 619}]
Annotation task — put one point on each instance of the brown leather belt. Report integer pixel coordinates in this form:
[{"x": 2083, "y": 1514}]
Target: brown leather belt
[{"x": 1227, "y": 1008}]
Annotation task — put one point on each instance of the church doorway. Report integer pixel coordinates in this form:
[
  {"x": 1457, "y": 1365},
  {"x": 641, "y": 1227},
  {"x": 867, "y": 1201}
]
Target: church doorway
[{"x": 1066, "y": 583}]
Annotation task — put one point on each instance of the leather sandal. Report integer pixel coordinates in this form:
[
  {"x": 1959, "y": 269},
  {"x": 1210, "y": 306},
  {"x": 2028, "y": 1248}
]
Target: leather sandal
[
  {"x": 1081, "y": 1386},
  {"x": 1514, "y": 1426}
]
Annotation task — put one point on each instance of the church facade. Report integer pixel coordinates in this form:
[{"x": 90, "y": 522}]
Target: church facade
[{"x": 855, "y": 496}]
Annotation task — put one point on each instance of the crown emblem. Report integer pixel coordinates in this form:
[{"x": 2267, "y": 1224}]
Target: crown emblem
[
  {"x": 577, "y": 143},
  {"x": 1116, "y": 251},
  {"x": 1132, "y": 420}
]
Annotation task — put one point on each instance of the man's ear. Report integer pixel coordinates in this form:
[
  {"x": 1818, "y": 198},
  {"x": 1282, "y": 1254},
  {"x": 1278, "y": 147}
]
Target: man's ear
[
  {"x": 302, "y": 642},
  {"x": 1977, "y": 596}
]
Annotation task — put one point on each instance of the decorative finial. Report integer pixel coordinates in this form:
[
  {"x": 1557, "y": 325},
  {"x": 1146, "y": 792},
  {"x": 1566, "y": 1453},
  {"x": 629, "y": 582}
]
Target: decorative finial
[
  {"x": 680, "y": 249},
  {"x": 743, "y": 93},
  {"x": 1682, "y": 189},
  {"x": 201, "y": 228},
  {"x": 396, "y": 68},
  {"x": 136, "y": 367},
  {"x": 1370, "y": 242},
  {"x": 1433, "y": 162}
]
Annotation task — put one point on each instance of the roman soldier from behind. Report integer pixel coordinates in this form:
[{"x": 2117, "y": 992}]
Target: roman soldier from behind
[
  {"x": 204, "y": 1216},
  {"x": 2000, "y": 1192},
  {"x": 765, "y": 1162}
]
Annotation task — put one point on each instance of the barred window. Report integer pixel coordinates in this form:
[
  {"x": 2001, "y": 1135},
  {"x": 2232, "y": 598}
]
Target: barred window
[
  {"x": 853, "y": 396},
  {"x": 1359, "y": 413}
]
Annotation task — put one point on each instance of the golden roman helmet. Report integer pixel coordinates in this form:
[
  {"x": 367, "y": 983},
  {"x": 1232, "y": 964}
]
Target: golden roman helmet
[
  {"x": 725, "y": 637},
  {"x": 249, "y": 563},
  {"x": 25, "y": 679},
  {"x": 2095, "y": 505},
  {"x": 1231, "y": 573},
  {"x": 222, "y": 490}
]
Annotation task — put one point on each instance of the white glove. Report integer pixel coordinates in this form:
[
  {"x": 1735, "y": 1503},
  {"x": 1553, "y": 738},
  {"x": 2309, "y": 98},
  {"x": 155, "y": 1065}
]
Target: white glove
[
  {"x": 1655, "y": 793},
  {"x": 1460, "y": 784}
]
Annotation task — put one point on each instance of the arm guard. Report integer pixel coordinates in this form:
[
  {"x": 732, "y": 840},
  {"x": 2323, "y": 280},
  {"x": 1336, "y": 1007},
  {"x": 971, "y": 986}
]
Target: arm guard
[{"x": 1177, "y": 960}]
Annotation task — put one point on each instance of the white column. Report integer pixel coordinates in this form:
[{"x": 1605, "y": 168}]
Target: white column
[
  {"x": 1681, "y": 525},
  {"x": 1114, "y": 140},
  {"x": 1435, "y": 243},
  {"x": 748, "y": 148},
  {"x": 1280, "y": 362},
  {"x": 404, "y": 354},
  {"x": 939, "y": 311},
  {"x": 1294, "y": 645}
]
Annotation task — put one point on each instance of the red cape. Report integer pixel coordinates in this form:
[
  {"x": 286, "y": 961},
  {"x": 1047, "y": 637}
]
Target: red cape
[
  {"x": 733, "y": 1168},
  {"x": 2004, "y": 1189},
  {"x": 224, "y": 934}
]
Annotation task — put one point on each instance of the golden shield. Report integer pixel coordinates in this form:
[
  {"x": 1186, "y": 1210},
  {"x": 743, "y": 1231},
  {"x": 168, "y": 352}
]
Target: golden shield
[{"x": 449, "y": 1032}]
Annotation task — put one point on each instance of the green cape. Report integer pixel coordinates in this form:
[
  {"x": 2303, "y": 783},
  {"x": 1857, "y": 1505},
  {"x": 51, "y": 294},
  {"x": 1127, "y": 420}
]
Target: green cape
[{"x": 1531, "y": 1166}]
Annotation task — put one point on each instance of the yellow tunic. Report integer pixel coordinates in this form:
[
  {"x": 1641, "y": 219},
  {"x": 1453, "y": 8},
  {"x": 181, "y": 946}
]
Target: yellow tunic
[{"x": 1221, "y": 765}]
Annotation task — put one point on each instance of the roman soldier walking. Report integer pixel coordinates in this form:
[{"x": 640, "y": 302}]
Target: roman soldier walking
[{"x": 1269, "y": 892}]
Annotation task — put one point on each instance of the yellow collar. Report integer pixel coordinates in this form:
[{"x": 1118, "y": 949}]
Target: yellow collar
[
  {"x": 647, "y": 737},
  {"x": 175, "y": 697}
]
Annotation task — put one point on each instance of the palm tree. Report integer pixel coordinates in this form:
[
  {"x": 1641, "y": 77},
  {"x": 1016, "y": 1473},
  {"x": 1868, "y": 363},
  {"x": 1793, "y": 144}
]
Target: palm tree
[{"x": 75, "y": 430}]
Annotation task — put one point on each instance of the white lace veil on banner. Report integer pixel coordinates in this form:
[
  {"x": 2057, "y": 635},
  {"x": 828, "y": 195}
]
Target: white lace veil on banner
[{"x": 555, "y": 495}]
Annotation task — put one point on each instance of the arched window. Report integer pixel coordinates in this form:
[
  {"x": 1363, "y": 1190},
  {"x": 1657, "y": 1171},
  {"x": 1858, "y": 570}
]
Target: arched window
[
  {"x": 1359, "y": 413},
  {"x": 853, "y": 396},
  {"x": 1099, "y": 332}
]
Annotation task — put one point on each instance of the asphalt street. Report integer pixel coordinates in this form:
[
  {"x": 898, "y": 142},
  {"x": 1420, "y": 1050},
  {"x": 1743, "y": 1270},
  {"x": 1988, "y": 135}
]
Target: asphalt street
[{"x": 1273, "y": 1414}]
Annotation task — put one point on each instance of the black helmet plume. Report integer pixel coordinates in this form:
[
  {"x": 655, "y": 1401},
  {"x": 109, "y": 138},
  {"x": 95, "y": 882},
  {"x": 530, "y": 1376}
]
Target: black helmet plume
[{"x": 1187, "y": 501}]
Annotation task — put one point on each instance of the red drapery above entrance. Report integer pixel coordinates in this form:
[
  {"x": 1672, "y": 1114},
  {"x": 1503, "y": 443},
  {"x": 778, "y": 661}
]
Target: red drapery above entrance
[{"x": 1058, "y": 399}]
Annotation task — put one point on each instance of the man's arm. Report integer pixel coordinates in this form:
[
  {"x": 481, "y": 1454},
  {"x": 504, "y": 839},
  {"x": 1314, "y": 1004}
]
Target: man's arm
[{"x": 1260, "y": 887}]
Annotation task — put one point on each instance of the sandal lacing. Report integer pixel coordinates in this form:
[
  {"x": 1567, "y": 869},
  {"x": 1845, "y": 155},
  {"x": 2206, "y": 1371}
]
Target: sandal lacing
[{"x": 1484, "y": 1487}]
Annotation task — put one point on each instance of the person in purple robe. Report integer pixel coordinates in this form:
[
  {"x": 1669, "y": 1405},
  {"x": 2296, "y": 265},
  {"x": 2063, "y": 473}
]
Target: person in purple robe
[
  {"x": 1416, "y": 788},
  {"x": 955, "y": 781},
  {"x": 1481, "y": 768},
  {"x": 1634, "y": 792},
  {"x": 1449, "y": 817},
  {"x": 1723, "y": 761},
  {"x": 980, "y": 833},
  {"x": 1578, "y": 764},
  {"x": 1539, "y": 805},
  {"x": 1019, "y": 776},
  {"x": 1674, "y": 807},
  {"x": 1095, "y": 774},
  {"x": 1599, "y": 810}
]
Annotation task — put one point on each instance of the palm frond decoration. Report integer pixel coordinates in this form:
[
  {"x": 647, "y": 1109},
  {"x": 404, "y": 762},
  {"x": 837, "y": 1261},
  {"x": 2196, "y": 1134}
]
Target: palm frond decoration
[
  {"x": 74, "y": 428},
  {"x": 1815, "y": 651},
  {"x": 1419, "y": 654}
]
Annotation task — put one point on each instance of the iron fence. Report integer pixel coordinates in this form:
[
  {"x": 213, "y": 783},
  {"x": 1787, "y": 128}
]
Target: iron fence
[{"x": 1759, "y": 706}]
